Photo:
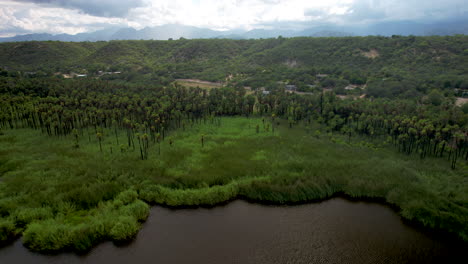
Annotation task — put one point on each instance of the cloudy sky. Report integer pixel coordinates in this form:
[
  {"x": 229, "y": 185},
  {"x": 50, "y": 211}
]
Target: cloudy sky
[{"x": 76, "y": 16}]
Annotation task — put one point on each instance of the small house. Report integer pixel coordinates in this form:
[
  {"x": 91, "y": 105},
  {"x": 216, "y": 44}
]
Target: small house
[
  {"x": 291, "y": 87},
  {"x": 321, "y": 75}
]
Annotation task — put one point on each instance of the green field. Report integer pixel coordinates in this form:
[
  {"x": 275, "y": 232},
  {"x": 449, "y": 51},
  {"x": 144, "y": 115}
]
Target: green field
[{"x": 60, "y": 197}]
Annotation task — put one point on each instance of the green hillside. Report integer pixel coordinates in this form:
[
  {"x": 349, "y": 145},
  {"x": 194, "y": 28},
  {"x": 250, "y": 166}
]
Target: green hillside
[{"x": 418, "y": 63}]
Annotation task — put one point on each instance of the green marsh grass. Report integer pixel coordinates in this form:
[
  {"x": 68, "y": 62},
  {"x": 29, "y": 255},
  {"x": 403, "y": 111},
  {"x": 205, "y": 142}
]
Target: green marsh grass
[{"x": 59, "y": 197}]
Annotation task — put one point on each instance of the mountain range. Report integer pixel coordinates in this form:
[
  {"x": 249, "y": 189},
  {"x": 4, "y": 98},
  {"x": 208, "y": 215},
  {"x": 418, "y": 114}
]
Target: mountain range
[{"x": 175, "y": 31}]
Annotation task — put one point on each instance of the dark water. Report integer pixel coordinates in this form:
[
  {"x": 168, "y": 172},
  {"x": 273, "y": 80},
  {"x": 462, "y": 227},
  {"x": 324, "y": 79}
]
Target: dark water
[{"x": 334, "y": 231}]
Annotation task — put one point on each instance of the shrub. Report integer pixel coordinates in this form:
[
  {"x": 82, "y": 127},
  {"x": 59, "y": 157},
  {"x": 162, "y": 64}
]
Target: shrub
[
  {"x": 125, "y": 229},
  {"x": 7, "y": 230},
  {"x": 435, "y": 97},
  {"x": 25, "y": 216},
  {"x": 138, "y": 209},
  {"x": 84, "y": 237},
  {"x": 178, "y": 197},
  {"x": 47, "y": 236},
  {"x": 464, "y": 108},
  {"x": 8, "y": 205},
  {"x": 93, "y": 231},
  {"x": 127, "y": 196}
]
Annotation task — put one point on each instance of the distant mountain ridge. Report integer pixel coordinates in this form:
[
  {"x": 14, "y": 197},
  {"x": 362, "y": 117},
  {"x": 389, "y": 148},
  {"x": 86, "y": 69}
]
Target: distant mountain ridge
[{"x": 175, "y": 31}]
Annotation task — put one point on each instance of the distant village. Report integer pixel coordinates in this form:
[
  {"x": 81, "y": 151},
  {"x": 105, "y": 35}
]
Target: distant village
[
  {"x": 81, "y": 75},
  {"x": 292, "y": 88}
]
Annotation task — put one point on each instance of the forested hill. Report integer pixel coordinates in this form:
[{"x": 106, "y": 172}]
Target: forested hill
[{"x": 419, "y": 63}]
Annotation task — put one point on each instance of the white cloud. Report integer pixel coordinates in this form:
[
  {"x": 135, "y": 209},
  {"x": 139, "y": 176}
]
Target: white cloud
[
  {"x": 233, "y": 13},
  {"x": 74, "y": 16},
  {"x": 104, "y": 8},
  {"x": 28, "y": 17}
]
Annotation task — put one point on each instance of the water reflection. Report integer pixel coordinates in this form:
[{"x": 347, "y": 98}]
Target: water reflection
[{"x": 334, "y": 231}]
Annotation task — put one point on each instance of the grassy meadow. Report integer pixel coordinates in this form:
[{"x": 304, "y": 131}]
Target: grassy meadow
[{"x": 58, "y": 196}]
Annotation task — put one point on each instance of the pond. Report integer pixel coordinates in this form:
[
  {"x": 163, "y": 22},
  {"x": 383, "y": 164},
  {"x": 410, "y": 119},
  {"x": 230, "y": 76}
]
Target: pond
[{"x": 333, "y": 231}]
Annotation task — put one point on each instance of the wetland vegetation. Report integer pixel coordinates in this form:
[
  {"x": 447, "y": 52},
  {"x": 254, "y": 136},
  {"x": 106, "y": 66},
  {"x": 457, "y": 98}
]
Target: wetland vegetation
[{"x": 81, "y": 160}]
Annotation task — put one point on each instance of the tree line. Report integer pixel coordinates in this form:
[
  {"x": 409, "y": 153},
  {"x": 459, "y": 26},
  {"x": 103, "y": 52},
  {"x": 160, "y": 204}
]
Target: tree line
[{"x": 145, "y": 114}]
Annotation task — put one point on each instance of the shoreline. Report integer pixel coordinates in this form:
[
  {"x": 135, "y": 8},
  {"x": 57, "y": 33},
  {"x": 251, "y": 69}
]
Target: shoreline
[{"x": 435, "y": 233}]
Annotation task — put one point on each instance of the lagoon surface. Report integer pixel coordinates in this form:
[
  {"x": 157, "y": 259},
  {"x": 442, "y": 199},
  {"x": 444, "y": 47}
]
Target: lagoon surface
[{"x": 333, "y": 231}]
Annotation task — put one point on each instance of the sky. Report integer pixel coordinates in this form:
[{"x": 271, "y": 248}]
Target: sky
[{"x": 77, "y": 16}]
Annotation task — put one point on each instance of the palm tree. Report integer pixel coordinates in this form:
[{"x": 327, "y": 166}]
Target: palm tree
[{"x": 99, "y": 137}]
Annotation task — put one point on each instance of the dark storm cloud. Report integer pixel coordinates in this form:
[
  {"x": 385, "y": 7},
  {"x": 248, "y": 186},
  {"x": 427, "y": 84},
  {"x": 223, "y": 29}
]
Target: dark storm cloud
[{"x": 102, "y": 8}]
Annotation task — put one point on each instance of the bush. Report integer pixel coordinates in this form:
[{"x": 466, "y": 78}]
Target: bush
[
  {"x": 25, "y": 216},
  {"x": 125, "y": 229},
  {"x": 127, "y": 196},
  {"x": 87, "y": 197},
  {"x": 464, "y": 108},
  {"x": 88, "y": 234},
  {"x": 189, "y": 197},
  {"x": 47, "y": 236},
  {"x": 7, "y": 230},
  {"x": 138, "y": 209},
  {"x": 84, "y": 237},
  {"x": 435, "y": 97},
  {"x": 8, "y": 205}
]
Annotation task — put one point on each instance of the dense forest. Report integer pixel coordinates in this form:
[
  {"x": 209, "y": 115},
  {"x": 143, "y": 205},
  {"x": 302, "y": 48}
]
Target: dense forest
[
  {"x": 391, "y": 66},
  {"x": 81, "y": 158}
]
